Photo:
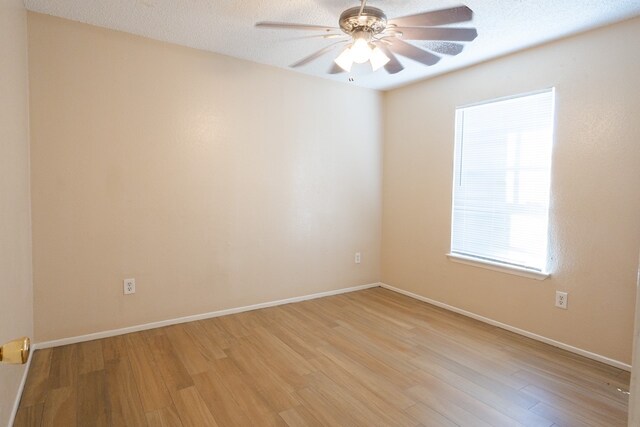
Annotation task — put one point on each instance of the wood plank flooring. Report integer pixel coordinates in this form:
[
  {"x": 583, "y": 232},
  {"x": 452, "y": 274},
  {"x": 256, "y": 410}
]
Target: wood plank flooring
[{"x": 368, "y": 358}]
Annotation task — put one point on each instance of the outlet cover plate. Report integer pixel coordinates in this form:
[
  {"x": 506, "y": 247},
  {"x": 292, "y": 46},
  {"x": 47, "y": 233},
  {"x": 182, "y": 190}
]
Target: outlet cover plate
[
  {"x": 129, "y": 286},
  {"x": 562, "y": 299}
]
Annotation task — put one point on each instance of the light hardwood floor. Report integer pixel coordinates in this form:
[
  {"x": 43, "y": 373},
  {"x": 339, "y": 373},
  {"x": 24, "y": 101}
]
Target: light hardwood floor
[{"x": 368, "y": 358}]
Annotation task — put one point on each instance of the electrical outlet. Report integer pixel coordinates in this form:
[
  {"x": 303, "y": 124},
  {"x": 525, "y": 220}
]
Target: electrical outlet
[
  {"x": 129, "y": 286},
  {"x": 561, "y": 299},
  {"x": 358, "y": 258}
]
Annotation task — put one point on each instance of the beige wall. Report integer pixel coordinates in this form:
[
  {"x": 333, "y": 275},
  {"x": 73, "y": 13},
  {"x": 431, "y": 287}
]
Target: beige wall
[
  {"x": 595, "y": 206},
  {"x": 214, "y": 182},
  {"x": 16, "y": 317}
]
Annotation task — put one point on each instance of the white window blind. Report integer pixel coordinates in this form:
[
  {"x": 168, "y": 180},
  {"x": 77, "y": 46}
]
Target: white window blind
[{"x": 502, "y": 179}]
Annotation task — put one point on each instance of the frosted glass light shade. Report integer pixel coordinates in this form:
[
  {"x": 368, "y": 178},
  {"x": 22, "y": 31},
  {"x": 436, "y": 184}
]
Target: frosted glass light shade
[
  {"x": 378, "y": 59},
  {"x": 345, "y": 60}
]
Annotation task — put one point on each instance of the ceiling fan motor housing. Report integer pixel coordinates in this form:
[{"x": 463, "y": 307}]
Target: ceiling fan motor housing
[{"x": 372, "y": 20}]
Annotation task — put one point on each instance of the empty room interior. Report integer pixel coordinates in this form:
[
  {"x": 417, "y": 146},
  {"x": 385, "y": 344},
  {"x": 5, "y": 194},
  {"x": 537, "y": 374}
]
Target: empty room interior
[{"x": 319, "y": 213}]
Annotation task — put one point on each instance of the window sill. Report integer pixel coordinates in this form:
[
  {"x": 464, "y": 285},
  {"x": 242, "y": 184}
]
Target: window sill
[{"x": 498, "y": 267}]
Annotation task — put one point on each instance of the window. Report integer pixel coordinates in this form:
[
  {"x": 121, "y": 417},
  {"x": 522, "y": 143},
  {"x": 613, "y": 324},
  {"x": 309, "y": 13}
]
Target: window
[{"x": 501, "y": 183}]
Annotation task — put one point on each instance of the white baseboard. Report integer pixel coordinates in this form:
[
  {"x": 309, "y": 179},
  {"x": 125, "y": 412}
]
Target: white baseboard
[
  {"x": 23, "y": 381},
  {"x": 153, "y": 325},
  {"x": 572, "y": 349}
]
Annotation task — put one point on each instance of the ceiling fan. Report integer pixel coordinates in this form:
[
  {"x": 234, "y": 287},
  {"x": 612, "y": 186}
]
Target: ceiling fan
[{"x": 370, "y": 37}]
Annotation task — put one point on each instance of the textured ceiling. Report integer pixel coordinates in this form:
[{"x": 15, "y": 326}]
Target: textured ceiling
[{"x": 227, "y": 27}]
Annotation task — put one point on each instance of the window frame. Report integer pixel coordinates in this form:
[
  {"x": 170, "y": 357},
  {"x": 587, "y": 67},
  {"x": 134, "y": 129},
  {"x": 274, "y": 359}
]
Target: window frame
[{"x": 494, "y": 264}]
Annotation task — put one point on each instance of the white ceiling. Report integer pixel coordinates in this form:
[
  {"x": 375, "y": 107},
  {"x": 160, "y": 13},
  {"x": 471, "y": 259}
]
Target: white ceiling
[{"x": 227, "y": 27}]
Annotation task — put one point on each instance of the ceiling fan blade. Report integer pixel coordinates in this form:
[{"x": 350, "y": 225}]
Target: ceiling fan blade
[
  {"x": 437, "y": 17},
  {"x": 445, "y": 48},
  {"x": 410, "y": 51},
  {"x": 320, "y": 36},
  {"x": 316, "y": 55},
  {"x": 287, "y": 26},
  {"x": 431, "y": 33},
  {"x": 393, "y": 66}
]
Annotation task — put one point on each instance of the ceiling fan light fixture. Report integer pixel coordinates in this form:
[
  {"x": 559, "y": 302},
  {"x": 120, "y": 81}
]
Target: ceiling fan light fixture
[
  {"x": 370, "y": 37},
  {"x": 378, "y": 59},
  {"x": 345, "y": 60}
]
